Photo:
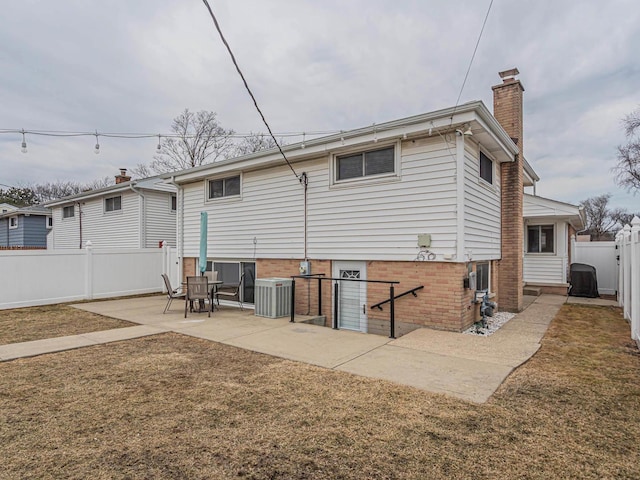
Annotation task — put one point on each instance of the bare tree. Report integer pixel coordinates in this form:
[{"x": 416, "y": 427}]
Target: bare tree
[
  {"x": 199, "y": 139},
  {"x": 142, "y": 170},
  {"x": 599, "y": 221},
  {"x": 627, "y": 170},
  {"x": 254, "y": 143},
  {"x": 48, "y": 191}
]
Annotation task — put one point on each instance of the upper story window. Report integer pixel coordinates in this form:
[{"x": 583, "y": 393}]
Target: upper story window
[
  {"x": 68, "y": 212},
  {"x": 113, "y": 204},
  {"x": 540, "y": 239},
  {"x": 365, "y": 164},
  {"x": 486, "y": 168},
  {"x": 13, "y": 222},
  {"x": 49, "y": 222},
  {"x": 174, "y": 203},
  {"x": 224, "y": 187}
]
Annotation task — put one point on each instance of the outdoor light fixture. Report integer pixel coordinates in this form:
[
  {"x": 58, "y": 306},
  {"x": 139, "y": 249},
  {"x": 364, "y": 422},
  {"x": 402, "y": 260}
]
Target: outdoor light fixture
[
  {"x": 468, "y": 131},
  {"x": 96, "y": 150},
  {"x": 24, "y": 143}
]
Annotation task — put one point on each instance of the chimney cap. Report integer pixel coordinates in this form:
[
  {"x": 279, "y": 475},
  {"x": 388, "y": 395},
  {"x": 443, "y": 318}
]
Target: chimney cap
[
  {"x": 507, "y": 75},
  {"x": 123, "y": 171}
]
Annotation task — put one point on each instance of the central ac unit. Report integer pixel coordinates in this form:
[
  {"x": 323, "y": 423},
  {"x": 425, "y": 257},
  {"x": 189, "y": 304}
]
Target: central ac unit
[{"x": 273, "y": 297}]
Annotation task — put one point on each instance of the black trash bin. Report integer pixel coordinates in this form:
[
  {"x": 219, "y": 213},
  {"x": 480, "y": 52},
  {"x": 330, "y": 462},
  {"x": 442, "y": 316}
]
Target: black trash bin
[{"x": 584, "y": 281}]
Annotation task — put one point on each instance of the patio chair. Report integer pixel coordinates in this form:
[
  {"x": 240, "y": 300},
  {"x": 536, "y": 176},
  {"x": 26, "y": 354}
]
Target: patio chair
[
  {"x": 171, "y": 292},
  {"x": 198, "y": 289},
  {"x": 234, "y": 292},
  {"x": 212, "y": 276}
]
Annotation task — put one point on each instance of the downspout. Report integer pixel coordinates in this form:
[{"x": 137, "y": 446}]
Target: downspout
[
  {"x": 460, "y": 196},
  {"x": 304, "y": 180},
  {"x": 80, "y": 222},
  {"x": 179, "y": 223},
  {"x": 142, "y": 217}
]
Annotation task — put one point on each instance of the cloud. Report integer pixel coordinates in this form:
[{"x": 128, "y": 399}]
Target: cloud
[{"x": 331, "y": 65}]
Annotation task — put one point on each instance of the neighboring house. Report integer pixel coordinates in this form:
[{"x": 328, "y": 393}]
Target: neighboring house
[
  {"x": 423, "y": 200},
  {"x": 549, "y": 226},
  {"x": 7, "y": 207},
  {"x": 25, "y": 227},
  {"x": 131, "y": 213}
]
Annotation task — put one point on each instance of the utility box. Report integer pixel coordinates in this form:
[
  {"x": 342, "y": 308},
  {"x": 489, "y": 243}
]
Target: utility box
[
  {"x": 305, "y": 267},
  {"x": 273, "y": 297},
  {"x": 424, "y": 240}
]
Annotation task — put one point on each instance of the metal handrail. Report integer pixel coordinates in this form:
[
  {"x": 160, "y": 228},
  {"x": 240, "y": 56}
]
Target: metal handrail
[{"x": 412, "y": 291}]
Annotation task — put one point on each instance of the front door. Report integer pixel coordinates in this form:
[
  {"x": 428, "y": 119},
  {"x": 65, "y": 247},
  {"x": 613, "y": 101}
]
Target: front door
[{"x": 352, "y": 295}]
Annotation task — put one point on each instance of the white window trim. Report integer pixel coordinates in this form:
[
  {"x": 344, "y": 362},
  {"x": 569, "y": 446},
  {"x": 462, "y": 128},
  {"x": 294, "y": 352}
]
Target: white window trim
[
  {"x": 111, "y": 212},
  {"x": 555, "y": 237},
  {"x": 49, "y": 222},
  {"x": 394, "y": 176},
  {"x": 171, "y": 209},
  {"x": 488, "y": 262},
  {"x": 228, "y": 198},
  {"x": 72, "y": 216},
  {"x": 11, "y": 219}
]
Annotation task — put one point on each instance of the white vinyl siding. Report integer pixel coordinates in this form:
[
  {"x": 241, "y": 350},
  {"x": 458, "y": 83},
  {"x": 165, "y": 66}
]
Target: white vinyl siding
[
  {"x": 548, "y": 268},
  {"x": 544, "y": 270},
  {"x": 482, "y": 208},
  {"x": 355, "y": 222},
  {"x": 160, "y": 219},
  {"x": 65, "y": 231}
]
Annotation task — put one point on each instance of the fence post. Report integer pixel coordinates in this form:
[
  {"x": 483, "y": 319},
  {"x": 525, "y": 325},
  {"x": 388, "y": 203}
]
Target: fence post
[
  {"x": 635, "y": 279},
  {"x": 88, "y": 285},
  {"x": 335, "y": 305},
  {"x": 620, "y": 247},
  {"x": 293, "y": 300},
  {"x": 319, "y": 296},
  {"x": 627, "y": 271},
  {"x": 392, "y": 314}
]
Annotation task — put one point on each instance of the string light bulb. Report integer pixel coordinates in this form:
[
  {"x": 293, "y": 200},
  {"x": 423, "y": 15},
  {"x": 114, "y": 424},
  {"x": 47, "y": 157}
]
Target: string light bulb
[
  {"x": 96, "y": 150},
  {"x": 159, "y": 147},
  {"x": 302, "y": 145},
  {"x": 23, "y": 148}
]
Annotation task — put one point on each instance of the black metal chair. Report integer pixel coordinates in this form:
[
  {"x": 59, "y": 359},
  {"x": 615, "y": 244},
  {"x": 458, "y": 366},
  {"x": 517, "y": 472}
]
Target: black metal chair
[
  {"x": 198, "y": 289},
  {"x": 234, "y": 292},
  {"x": 171, "y": 292}
]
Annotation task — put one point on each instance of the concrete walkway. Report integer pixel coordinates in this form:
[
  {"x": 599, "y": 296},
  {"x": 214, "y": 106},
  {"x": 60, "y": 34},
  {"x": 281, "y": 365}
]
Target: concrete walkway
[{"x": 465, "y": 366}]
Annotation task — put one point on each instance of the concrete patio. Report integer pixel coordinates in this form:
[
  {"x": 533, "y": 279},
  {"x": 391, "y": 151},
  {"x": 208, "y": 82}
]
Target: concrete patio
[{"x": 465, "y": 366}]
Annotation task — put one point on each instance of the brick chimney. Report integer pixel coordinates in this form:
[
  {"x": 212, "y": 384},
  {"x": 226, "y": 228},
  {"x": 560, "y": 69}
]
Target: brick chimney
[
  {"x": 123, "y": 177},
  {"x": 507, "y": 109}
]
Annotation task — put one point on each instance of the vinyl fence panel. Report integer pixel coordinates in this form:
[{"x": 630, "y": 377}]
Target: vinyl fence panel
[{"x": 603, "y": 256}]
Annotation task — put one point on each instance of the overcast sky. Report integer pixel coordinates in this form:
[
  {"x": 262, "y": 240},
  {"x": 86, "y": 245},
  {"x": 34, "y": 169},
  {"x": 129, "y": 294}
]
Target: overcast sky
[{"x": 132, "y": 66}]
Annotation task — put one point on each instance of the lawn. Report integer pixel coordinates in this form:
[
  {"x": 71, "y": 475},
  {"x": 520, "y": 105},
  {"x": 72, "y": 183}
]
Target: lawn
[
  {"x": 171, "y": 406},
  {"x": 37, "y": 323}
]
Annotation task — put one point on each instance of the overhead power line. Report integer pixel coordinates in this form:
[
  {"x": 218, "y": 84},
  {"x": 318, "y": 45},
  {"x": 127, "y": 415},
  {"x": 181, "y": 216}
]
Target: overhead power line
[
  {"x": 464, "y": 82},
  {"x": 246, "y": 86}
]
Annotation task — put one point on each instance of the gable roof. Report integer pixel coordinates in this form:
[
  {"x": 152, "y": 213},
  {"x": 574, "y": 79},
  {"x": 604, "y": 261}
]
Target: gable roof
[
  {"x": 485, "y": 127},
  {"x": 540, "y": 207},
  {"x": 31, "y": 210},
  {"x": 156, "y": 183}
]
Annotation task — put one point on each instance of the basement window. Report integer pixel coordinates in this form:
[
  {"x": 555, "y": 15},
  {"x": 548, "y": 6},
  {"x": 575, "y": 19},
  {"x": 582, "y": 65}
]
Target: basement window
[{"x": 482, "y": 276}]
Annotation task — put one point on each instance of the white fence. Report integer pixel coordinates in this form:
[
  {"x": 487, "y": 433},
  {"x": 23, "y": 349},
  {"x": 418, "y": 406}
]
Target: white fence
[
  {"x": 628, "y": 241},
  {"x": 44, "y": 277},
  {"x": 603, "y": 256}
]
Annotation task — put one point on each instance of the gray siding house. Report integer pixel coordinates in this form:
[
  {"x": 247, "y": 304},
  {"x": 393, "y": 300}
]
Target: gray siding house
[{"x": 25, "y": 227}]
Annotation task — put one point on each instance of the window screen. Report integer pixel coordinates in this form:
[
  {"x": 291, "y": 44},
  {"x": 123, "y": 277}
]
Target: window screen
[
  {"x": 68, "y": 212},
  {"x": 364, "y": 164},
  {"x": 486, "y": 168},
  {"x": 113, "y": 203},
  {"x": 540, "y": 239},
  {"x": 482, "y": 276},
  {"x": 224, "y": 187}
]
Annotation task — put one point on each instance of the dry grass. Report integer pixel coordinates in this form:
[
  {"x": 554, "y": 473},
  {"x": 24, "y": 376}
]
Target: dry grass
[
  {"x": 36, "y": 323},
  {"x": 170, "y": 406}
]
